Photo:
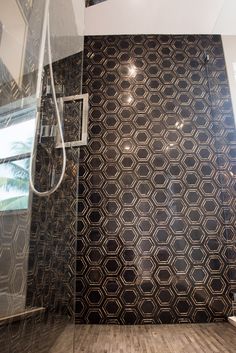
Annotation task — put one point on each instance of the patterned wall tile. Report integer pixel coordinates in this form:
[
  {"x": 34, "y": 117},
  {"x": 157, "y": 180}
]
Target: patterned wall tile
[
  {"x": 157, "y": 185},
  {"x": 52, "y": 255}
]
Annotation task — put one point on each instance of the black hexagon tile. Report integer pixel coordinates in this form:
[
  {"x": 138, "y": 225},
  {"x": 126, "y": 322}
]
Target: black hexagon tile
[{"x": 157, "y": 182}]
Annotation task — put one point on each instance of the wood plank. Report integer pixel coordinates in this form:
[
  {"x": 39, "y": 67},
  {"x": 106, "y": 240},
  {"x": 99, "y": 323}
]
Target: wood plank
[{"x": 182, "y": 338}]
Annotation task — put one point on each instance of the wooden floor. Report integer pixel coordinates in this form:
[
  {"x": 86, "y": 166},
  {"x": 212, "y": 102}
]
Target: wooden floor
[{"x": 184, "y": 338}]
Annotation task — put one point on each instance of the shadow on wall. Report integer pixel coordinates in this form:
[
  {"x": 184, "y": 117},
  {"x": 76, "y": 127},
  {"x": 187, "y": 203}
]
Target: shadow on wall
[{"x": 93, "y": 2}]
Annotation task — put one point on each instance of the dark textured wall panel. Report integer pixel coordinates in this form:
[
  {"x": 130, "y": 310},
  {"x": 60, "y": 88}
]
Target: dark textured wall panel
[
  {"x": 156, "y": 208},
  {"x": 14, "y": 234},
  {"x": 52, "y": 256}
]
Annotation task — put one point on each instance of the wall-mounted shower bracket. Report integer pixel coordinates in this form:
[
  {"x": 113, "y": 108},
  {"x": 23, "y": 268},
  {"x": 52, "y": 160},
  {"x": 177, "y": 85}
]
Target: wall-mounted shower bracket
[
  {"x": 59, "y": 89},
  {"x": 48, "y": 132},
  {"x": 74, "y": 107}
]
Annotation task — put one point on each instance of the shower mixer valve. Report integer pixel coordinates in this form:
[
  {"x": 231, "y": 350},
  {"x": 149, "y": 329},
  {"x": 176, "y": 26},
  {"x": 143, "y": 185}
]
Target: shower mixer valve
[
  {"x": 59, "y": 89},
  {"x": 48, "y": 132}
]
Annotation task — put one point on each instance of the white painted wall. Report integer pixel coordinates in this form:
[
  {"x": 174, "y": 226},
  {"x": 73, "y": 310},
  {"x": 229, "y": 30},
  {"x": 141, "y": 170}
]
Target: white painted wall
[
  {"x": 226, "y": 22},
  {"x": 161, "y": 17},
  {"x": 229, "y": 44},
  {"x": 13, "y": 41}
]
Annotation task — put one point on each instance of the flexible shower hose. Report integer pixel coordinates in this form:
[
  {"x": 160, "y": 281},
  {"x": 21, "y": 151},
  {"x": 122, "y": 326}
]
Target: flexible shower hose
[{"x": 34, "y": 146}]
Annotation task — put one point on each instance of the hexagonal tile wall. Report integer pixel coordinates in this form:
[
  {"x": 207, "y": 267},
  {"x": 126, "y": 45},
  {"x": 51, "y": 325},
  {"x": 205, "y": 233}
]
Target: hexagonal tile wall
[{"x": 157, "y": 180}]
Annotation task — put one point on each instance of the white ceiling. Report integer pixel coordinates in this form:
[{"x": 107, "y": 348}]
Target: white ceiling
[{"x": 161, "y": 17}]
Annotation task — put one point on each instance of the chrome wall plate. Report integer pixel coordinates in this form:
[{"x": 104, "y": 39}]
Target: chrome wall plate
[{"x": 76, "y": 108}]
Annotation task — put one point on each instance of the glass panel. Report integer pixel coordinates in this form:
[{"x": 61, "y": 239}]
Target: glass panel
[
  {"x": 37, "y": 235},
  {"x": 13, "y": 39},
  {"x": 11, "y": 143},
  {"x": 14, "y": 185}
]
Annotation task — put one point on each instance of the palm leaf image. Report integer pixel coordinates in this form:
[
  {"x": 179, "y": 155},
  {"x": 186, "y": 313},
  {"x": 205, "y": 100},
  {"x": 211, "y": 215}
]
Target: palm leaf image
[
  {"x": 14, "y": 203},
  {"x": 20, "y": 147},
  {"x": 14, "y": 184},
  {"x": 20, "y": 171},
  {"x": 18, "y": 182}
]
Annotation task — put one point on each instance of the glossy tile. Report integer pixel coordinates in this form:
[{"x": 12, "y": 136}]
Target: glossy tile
[{"x": 157, "y": 182}]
